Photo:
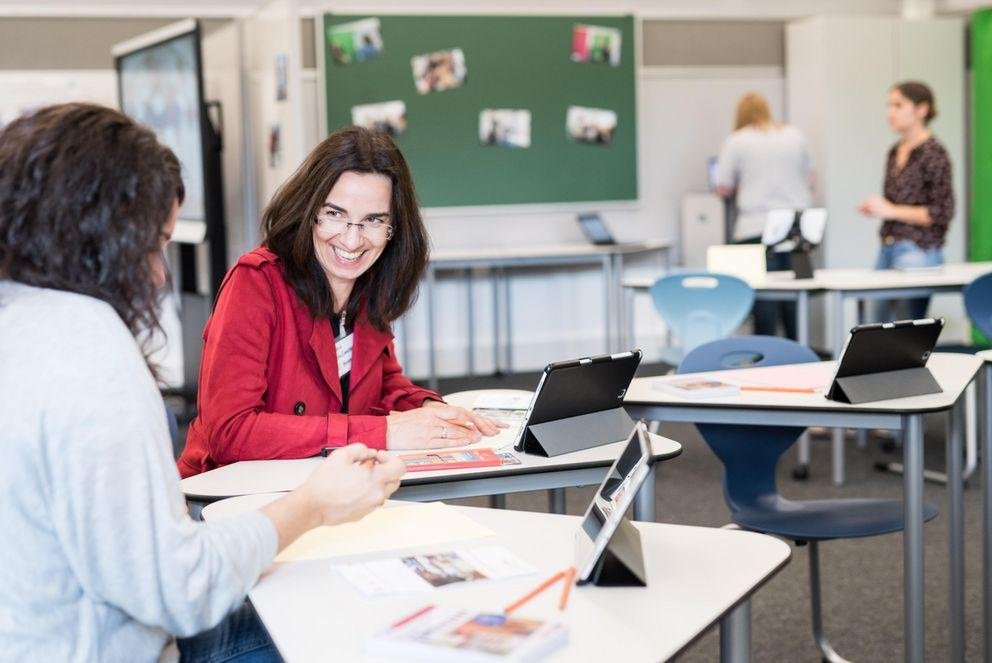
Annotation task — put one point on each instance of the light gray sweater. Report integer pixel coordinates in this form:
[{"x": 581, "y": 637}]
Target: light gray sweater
[{"x": 98, "y": 559}]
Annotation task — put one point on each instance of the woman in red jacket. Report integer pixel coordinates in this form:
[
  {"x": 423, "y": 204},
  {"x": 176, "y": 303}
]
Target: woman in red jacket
[{"x": 297, "y": 353}]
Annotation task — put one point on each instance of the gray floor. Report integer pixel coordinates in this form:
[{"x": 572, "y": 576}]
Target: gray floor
[{"x": 862, "y": 578}]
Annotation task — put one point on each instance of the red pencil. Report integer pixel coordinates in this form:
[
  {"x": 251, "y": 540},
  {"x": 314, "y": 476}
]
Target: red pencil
[
  {"x": 534, "y": 592},
  {"x": 786, "y": 390},
  {"x": 569, "y": 577}
]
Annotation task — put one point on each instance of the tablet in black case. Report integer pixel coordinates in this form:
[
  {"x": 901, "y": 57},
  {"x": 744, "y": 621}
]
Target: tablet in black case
[
  {"x": 886, "y": 360},
  {"x": 579, "y": 404}
]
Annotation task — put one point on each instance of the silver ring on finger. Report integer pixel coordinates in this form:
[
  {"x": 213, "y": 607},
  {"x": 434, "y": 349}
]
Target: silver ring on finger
[{"x": 444, "y": 432}]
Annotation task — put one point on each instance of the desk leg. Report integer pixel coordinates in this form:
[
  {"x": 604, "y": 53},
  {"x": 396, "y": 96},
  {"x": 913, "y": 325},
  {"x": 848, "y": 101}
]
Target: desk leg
[
  {"x": 985, "y": 431},
  {"x": 497, "y": 321},
  {"x": 735, "y": 635},
  {"x": 912, "y": 458},
  {"x": 556, "y": 500},
  {"x": 644, "y": 500},
  {"x": 801, "y": 471},
  {"x": 431, "y": 331},
  {"x": 955, "y": 510},
  {"x": 507, "y": 290},
  {"x": 837, "y": 439},
  {"x": 470, "y": 312}
]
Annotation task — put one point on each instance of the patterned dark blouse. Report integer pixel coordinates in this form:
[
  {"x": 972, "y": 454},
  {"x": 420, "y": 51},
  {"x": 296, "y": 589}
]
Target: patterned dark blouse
[{"x": 924, "y": 180}]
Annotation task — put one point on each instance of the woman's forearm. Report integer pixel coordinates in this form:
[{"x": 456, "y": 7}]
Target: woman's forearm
[{"x": 917, "y": 215}]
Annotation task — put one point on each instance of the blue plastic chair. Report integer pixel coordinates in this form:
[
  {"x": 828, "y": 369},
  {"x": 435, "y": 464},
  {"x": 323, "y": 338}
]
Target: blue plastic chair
[
  {"x": 750, "y": 454},
  {"x": 978, "y": 304},
  {"x": 700, "y": 307}
]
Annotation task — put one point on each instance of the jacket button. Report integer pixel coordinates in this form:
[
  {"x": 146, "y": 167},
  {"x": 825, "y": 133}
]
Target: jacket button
[{"x": 299, "y": 408}]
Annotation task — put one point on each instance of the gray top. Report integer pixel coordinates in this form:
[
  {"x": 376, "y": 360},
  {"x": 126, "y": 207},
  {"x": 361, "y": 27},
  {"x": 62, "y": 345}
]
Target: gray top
[
  {"x": 99, "y": 560},
  {"x": 770, "y": 169}
]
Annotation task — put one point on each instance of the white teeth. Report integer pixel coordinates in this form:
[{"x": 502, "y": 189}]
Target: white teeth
[{"x": 347, "y": 255}]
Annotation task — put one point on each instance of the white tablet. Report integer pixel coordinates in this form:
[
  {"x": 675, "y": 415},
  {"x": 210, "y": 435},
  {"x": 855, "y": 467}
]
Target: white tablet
[{"x": 611, "y": 501}]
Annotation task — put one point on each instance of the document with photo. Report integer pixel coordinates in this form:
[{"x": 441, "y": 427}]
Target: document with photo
[{"x": 418, "y": 573}]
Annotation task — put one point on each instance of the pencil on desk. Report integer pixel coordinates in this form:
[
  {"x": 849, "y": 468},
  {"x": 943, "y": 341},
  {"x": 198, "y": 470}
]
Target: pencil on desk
[
  {"x": 785, "y": 390},
  {"x": 569, "y": 577},
  {"x": 534, "y": 592}
]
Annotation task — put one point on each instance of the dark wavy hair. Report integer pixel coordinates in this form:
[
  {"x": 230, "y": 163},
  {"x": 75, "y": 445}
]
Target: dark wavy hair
[
  {"x": 389, "y": 287},
  {"x": 919, "y": 93},
  {"x": 84, "y": 195}
]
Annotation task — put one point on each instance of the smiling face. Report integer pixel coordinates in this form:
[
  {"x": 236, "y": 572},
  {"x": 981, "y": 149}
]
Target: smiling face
[
  {"x": 343, "y": 251},
  {"x": 903, "y": 114}
]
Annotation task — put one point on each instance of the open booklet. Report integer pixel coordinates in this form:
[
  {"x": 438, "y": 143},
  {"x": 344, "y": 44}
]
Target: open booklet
[
  {"x": 425, "y": 572},
  {"x": 438, "y": 633}
]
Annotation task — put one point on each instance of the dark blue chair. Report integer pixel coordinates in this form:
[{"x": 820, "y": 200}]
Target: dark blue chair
[
  {"x": 978, "y": 304},
  {"x": 750, "y": 454}
]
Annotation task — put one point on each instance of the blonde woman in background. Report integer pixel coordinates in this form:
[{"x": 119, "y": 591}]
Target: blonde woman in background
[{"x": 764, "y": 165}]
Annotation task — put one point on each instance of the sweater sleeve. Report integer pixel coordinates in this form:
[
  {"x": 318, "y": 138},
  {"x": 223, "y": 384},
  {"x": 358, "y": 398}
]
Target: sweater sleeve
[{"x": 115, "y": 499}]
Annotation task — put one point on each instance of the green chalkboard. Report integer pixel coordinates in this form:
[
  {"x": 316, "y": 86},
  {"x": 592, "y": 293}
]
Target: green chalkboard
[{"x": 511, "y": 63}]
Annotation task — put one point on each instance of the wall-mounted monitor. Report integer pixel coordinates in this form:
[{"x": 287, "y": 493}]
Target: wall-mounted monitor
[{"x": 160, "y": 84}]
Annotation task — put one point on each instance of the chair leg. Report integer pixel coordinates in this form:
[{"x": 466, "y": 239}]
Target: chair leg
[{"x": 829, "y": 655}]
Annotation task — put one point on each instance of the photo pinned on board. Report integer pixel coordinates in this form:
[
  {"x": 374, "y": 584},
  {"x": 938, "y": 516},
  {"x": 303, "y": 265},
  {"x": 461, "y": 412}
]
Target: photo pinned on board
[
  {"x": 388, "y": 117},
  {"x": 504, "y": 127},
  {"x": 595, "y": 43},
  {"x": 439, "y": 71},
  {"x": 356, "y": 41},
  {"x": 590, "y": 125}
]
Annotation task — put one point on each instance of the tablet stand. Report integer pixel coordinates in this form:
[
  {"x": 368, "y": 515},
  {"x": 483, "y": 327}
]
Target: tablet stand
[
  {"x": 584, "y": 431},
  {"x": 857, "y": 389},
  {"x": 622, "y": 563}
]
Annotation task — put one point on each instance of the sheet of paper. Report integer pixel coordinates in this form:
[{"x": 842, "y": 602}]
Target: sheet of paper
[
  {"x": 814, "y": 375},
  {"x": 498, "y": 401},
  {"x": 389, "y": 528},
  {"x": 418, "y": 573}
]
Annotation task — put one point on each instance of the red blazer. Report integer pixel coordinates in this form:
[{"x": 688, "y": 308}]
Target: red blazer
[{"x": 269, "y": 384}]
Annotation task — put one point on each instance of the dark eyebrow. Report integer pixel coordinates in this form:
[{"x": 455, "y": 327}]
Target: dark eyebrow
[
  {"x": 335, "y": 207},
  {"x": 378, "y": 215}
]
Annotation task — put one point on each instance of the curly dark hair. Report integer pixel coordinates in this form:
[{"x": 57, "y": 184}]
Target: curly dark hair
[
  {"x": 389, "y": 287},
  {"x": 84, "y": 195}
]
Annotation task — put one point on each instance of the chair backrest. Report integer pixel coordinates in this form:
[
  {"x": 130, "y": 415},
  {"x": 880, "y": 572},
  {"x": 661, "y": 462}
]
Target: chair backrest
[
  {"x": 749, "y": 453},
  {"x": 978, "y": 303},
  {"x": 702, "y": 306}
]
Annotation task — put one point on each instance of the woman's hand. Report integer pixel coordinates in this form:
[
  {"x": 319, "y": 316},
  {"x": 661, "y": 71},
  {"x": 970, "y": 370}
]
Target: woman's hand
[
  {"x": 353, "y": 481},
  {"x": 876, "y": 206},
  {"x": 430, "y": 427},
  {"x": 484, "y": 425}
]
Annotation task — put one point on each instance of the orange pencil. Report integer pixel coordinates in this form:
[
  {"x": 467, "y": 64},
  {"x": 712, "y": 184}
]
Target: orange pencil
[
  {"x": 569, "y": 577},
  {"x": 785, "y": 390},
  {"x": 534, "y": 592}
]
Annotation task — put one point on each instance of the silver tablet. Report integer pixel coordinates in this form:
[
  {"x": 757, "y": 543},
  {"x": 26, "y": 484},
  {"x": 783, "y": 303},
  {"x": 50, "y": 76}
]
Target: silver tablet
[{"x": 611, "y": 501}]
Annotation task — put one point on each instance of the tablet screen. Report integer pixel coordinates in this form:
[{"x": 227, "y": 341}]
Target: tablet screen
[
  {"x": 595, "y": 229},
  {"x": 613, "y": 498}
]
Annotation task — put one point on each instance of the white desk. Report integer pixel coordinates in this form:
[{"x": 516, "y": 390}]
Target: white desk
[
  {"x": 580, "y": 468},
  {"x": 954, "y": 372},
  {"x": 985, "y": 433},
  {"x": 696, "y": 577},
  {"x": 843, "y": 285},
  {"x": 499, "y": 261}
]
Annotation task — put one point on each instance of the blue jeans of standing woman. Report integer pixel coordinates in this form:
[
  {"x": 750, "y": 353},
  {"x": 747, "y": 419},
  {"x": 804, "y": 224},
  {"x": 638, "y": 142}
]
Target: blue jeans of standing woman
[{"x": 905, "y": 254}]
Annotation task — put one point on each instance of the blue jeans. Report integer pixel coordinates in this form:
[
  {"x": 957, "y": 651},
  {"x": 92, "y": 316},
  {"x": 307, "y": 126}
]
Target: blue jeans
[
  {"x": 239, "y": 638},
  {"x": 905, "y": 254}
]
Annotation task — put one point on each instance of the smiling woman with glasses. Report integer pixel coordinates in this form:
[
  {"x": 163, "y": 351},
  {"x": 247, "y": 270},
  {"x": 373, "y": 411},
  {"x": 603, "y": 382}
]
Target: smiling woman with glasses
[{"x": 298, "y": 354}]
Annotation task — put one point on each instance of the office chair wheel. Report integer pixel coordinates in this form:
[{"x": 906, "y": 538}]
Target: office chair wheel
[{"x": 800, "y": 472}]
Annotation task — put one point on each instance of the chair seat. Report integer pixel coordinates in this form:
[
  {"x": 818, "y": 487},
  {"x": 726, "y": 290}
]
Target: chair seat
[{"x": 827, "y": 519}]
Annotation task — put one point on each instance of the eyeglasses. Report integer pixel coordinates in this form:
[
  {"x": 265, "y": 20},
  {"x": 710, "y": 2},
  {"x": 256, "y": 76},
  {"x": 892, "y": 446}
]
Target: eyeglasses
[{"x": 373, "y": 227}]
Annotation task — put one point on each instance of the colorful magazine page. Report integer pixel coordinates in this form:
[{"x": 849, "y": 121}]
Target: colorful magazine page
[
  {"x": 450, "y": 460},
  {"x": 697, "y": 387},
  {"x": 431, "y": 571},
  {"x": 437, "y": 633}
]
